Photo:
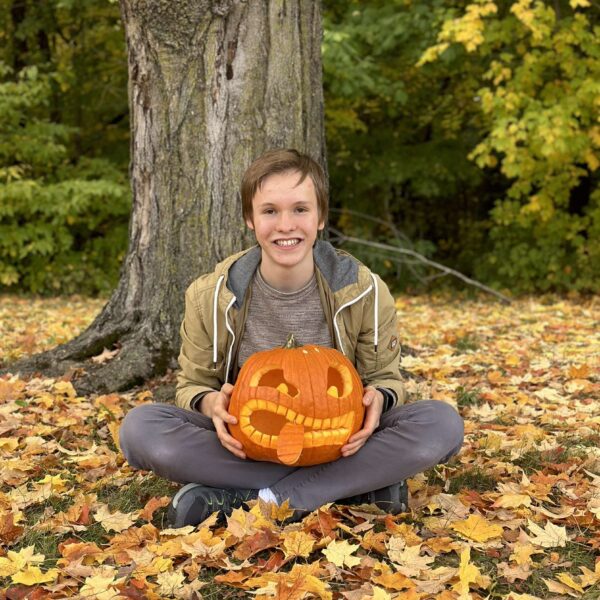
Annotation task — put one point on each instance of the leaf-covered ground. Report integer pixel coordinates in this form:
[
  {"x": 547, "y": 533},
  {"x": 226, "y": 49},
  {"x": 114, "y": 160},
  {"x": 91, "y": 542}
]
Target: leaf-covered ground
[{"x": 515, "y": 516}]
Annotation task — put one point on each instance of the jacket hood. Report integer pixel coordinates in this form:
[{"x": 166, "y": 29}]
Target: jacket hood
[{"x": 339, "y": 269}]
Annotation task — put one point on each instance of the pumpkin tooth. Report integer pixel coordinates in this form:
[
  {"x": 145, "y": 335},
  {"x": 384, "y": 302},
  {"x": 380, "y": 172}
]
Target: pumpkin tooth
[
  {"x": 300, "y": 419},
  {"x": 308, "y": 422},
  {"x": 256, "y": 436},
  {"x": 261, "y": 404},
  {"x": 318, "y": 424},
  {"x": 281, "y": 410},
  {"x": 308, "y": 439},
  {"x": 327, "y": 437},
  {"x": 274, "y": 440},
  {"x": 326, "y": 424},
  {"x": 291, "y": 415},
  {"x": 244, "y": 421},
  {"x": 335, "y": 422}
]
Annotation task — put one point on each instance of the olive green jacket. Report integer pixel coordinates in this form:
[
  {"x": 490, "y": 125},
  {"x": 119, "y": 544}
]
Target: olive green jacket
[{"x": 358, "y": 307}]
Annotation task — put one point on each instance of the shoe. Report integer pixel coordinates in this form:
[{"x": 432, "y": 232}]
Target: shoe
[
  {"x": 392, "y": 499},
  {"x": 195, "y": 502}
]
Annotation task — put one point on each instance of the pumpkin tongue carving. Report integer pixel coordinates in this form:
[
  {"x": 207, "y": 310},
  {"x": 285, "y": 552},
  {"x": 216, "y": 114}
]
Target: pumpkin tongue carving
[
  {"x": 296, "y": 405},
  {"x": 290, "y": 443}
]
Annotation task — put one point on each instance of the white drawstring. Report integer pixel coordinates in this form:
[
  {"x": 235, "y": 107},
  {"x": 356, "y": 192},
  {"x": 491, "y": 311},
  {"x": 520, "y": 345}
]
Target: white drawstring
[
  {"x": 215, "y": 306},
  {"x": 337, "y": 331},
  {"x": 375, "y": 311},
  {"x": 232, "y": 338}
]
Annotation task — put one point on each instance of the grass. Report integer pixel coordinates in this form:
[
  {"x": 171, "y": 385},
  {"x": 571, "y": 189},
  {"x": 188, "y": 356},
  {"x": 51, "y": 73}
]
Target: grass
[{"x": 465, "y": 397}]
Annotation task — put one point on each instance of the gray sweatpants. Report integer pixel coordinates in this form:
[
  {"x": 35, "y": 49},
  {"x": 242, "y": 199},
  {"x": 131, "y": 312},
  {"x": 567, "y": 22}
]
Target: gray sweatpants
[{"x": 182, "y": 446}]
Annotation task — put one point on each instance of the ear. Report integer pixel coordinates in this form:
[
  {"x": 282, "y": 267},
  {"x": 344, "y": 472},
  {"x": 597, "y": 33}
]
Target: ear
[
  {"x": 250, "y": 224},
  {"x": 321, "y": 225}
]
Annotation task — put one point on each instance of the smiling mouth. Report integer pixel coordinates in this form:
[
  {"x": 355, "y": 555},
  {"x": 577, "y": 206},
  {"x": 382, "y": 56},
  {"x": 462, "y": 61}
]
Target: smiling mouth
[
  {"x": 262, "y": 421},
  {"x": 287, "y": 243}
]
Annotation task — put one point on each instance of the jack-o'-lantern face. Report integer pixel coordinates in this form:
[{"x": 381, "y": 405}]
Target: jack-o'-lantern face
[{"x": 296, "y": 406}]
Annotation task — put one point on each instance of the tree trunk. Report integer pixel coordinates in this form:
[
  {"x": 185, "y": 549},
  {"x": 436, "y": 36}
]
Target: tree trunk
[{"x": 212, "y": 84}]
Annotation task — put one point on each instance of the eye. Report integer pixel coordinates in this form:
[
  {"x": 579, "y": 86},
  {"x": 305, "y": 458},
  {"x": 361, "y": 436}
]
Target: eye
[
  {"x": 273, "y": 378},
  {"x": 339, "y": 381}
]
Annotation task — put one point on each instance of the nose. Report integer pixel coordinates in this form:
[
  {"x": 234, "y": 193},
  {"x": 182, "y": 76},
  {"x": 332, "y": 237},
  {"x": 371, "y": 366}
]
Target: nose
[{"x": 285, "y": 222}]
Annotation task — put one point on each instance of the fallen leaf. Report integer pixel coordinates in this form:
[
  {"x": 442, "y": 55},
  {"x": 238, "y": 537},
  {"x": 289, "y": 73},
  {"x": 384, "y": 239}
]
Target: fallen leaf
[
  {"x": 551, "y": 536},
  {"x": 477, "y": 528},
  {"x": 340, "y": 553}
]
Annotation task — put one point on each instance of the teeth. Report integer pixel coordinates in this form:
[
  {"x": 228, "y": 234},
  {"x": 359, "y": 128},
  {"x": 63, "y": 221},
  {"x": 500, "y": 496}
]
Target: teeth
[
  {"x": 327, "y": 431},
  {"x": 287, "y": 242}
]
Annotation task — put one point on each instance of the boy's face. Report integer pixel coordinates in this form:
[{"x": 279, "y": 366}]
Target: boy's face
[{"x": 285, "y": 219}]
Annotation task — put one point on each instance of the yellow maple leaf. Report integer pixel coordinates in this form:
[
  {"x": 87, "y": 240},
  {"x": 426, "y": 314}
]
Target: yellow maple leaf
[
  {"x": 65, "y": 388},
  {"x": 9, "y": 444},
  {"x": 467, "y": 574},
  {"x": 568, "y": 580},
  {"x": 170, "y": 583},
  {"x": 590, "y": 577},
  {"x": 15, "y": 561},
  {"x": 275, "y": 512},
  {"x": 409, "y": 561},
  {"x": 301, "y": 580},
  {"x": 380, "y": 594},
  {"x": 298, "y": 543},
  {"x": 477, "y": 528},
  {"x": 340, "y": 553},
  {"x": 551, "y": 536},
  {"x": 32, "y": 575},
  {"x": 116, "y": 521},
  {"x": 391, "y": 580},
  {"x": 54, "y": 483},
  {"x": 512, "y": 501},
  {"x": 100, "y": 587},
  {"x": 522, "y": 552}
]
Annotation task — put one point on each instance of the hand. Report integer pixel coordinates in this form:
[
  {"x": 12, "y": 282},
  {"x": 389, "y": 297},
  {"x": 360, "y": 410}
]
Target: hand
[
  {"x": 215, "y": 405},
  {"x": 373, "y": 402}
]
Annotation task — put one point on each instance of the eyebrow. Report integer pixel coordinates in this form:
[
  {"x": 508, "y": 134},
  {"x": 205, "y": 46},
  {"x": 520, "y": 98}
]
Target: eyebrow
[{"x": 269, "y": 204}]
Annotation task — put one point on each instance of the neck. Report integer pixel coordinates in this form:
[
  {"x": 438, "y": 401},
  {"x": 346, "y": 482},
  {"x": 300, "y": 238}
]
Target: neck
[{"x": 287, "y": 280}]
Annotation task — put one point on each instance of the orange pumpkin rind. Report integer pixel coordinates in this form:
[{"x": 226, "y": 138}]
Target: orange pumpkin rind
[{"x": 297, "y": 405}]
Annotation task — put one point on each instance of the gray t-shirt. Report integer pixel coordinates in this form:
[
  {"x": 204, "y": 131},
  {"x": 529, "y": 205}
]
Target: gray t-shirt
[{"x": 273, "y": 315}]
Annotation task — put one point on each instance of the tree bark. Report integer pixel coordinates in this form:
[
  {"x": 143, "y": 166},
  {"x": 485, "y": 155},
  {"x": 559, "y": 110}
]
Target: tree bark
[{"x": 212, "y": 85}]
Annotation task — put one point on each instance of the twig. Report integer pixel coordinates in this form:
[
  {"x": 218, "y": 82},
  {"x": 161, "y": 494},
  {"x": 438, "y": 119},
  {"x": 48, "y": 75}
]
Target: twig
[{"x": 342, "y": 238}]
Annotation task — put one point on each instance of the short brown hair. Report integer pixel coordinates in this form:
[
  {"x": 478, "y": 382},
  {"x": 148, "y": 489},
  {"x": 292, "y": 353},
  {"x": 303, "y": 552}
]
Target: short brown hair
[{"x": 283, "y": 161}]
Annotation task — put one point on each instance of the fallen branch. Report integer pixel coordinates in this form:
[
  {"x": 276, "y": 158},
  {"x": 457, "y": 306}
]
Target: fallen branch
[{"x": 340, "y": 238}]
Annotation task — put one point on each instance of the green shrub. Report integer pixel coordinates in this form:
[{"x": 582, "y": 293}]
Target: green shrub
[{"x": 63, "y": 219}]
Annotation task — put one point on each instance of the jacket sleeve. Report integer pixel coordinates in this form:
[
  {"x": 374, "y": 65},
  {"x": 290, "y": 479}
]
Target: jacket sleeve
[
  {"x": 380, "y": 366},
  {"x": 198, "y": 373}
]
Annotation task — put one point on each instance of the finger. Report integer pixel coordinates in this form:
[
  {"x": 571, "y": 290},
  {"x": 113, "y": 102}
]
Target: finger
[
  {"x": 227, "y": 388},
  {"x": 225, "y": 437},
  {"x": 363, "y": 434},
  {"x": 222, "y": 414},
  {"x": 351, "y": 449},
  {"x": 236, "y": 451}
]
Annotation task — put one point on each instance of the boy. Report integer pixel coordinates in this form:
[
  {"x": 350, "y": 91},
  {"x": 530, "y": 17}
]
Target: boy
[{"x": 288, "y": 283}]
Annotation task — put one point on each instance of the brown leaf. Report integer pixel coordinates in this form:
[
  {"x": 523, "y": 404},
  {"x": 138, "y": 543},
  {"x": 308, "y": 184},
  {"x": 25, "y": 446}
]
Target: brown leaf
[
  {"x": 261, "y": 540},
  {"x": 105, "y": 356},
  {"x": 152, "y": 506}
]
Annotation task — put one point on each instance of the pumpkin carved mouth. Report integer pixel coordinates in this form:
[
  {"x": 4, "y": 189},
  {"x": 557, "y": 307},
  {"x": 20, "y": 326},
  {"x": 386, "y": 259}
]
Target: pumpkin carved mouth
[{"x": 263, "y": 420}]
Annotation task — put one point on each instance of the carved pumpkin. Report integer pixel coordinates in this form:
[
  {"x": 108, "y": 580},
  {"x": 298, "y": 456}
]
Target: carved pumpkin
[{"x": 296, "y": 405}]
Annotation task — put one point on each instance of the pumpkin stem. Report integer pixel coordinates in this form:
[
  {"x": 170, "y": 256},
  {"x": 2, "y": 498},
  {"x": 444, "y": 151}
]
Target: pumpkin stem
[{"x": 291, "y": 342}]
